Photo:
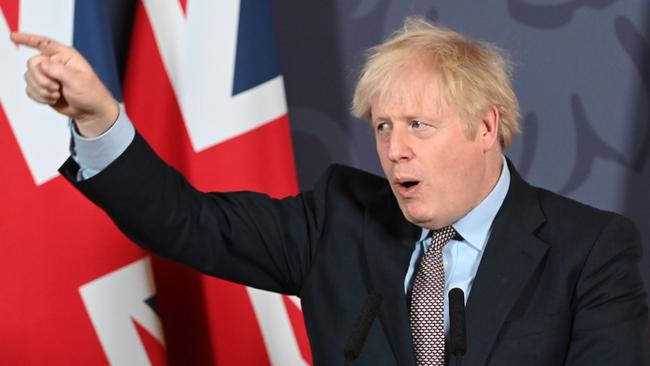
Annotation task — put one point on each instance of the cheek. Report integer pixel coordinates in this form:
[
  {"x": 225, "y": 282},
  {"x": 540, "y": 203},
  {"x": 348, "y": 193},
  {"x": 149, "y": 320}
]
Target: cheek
[
  {"x": 468, "y": 170},
  {"x": 453, "y": 170}
]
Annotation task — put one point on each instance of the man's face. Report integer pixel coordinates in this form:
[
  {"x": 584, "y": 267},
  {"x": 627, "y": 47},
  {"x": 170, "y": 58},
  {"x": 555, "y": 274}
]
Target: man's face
[{"x": 437, "y": 172}]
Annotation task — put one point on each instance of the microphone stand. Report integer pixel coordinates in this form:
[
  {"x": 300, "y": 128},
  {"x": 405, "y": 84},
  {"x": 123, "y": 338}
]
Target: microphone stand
[
  {"x": 457, "y": 335},
  {"x": 361, "y": 328}
]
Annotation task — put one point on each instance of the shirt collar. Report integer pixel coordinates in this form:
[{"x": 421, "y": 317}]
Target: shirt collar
[{"x": 475, "y": 226}]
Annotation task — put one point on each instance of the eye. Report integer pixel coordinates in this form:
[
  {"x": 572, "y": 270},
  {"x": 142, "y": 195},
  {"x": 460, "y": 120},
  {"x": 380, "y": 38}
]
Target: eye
[
  {"x": 417, "y": 124},
  {"x": 382, "y": 126}
]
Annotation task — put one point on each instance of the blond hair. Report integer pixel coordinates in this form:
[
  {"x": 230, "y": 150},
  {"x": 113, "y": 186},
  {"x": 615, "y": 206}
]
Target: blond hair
[{"x": 474, "y": 76}]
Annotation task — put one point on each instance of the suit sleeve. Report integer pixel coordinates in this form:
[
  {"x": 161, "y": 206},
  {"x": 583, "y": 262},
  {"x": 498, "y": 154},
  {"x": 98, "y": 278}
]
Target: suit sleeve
[
  {"x": 610, "y": 325},
  {"x": 243, "y": 237}
]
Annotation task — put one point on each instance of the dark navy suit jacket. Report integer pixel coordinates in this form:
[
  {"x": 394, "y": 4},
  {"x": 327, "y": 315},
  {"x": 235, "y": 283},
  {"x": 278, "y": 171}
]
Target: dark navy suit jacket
[{"x": 558, "y": 283}]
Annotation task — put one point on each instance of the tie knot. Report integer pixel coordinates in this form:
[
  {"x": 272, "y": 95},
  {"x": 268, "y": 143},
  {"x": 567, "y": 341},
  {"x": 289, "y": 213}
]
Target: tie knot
[{"x": 441, "y": 236}]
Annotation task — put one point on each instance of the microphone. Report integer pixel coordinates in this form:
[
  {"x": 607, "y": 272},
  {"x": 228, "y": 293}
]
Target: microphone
[
  {"x": 457, "y": 335},
  {"x": 361, "y": 328}
]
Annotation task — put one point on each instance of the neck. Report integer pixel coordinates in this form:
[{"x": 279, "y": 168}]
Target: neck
[{"x": 493, "y": 168}]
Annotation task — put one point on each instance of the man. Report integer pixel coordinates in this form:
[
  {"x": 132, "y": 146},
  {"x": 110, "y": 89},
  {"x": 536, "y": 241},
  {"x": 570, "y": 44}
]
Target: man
[{"x": 550, "y": 281}]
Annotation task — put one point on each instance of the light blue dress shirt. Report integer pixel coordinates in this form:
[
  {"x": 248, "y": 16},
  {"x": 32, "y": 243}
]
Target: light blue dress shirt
[
  {"x": 95, "y": 154},
  {"x": 461, "y": 258}
]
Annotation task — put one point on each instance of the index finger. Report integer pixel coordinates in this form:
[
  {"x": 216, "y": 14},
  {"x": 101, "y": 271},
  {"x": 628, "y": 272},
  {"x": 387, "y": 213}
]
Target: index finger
[{"x": 42, "y": 43}]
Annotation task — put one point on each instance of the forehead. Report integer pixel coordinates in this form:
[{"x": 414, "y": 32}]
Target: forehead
[{"x": 413, "y": 88}]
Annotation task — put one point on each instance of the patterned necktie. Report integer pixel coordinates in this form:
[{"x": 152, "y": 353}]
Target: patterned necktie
[{"x": 428, "y": 303}]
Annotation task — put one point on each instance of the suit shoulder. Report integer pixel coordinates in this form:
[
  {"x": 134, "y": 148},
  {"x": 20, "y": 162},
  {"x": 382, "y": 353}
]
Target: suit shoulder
[
  {"x": 339, "y": 171},
  {"x": 348, "y": 181},
  {"x": 565, "y": 214},
  {"x": 556, "y": 204}
]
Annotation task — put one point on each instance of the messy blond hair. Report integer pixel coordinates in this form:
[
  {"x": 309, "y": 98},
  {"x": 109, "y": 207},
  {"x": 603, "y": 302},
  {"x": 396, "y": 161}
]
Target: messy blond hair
[{"x": 474, "y": 76}]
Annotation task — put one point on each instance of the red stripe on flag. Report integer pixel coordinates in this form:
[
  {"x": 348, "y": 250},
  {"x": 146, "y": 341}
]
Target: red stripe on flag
[
  {"x": 183, "y": 5},
  {"x": 295, "y": 315},
  {"x": 155, "y": 349},
  {"x": 10, "y": 11}
]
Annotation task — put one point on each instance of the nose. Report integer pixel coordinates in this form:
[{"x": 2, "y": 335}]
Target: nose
[{"x": 399, "y": 149}]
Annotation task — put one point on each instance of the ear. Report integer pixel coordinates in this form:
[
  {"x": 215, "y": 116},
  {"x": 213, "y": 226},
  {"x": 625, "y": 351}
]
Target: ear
[{"x": 489, "y": 129}]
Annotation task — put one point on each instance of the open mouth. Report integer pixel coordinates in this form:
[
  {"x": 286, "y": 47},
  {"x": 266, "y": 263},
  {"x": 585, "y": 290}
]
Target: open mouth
[{"x": 409, "y": 183}]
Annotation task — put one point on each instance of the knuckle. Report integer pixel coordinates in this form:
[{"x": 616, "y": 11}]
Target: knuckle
[{"x": 43, "y": 42}]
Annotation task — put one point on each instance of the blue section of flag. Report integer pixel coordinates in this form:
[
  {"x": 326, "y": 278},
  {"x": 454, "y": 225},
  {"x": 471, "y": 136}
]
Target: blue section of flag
[
  {"x": 152, "y": 302},
  {"x": 257, "y": 56},
  {"x": 92, "y": 37}
]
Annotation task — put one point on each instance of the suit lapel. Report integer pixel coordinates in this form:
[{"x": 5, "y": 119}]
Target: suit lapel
[
  {"x": 388, "y": 243},
  {"x": 511, "y": 256}
]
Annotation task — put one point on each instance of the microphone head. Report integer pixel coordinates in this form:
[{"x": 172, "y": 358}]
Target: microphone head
[{"x": 457, "y": 335}]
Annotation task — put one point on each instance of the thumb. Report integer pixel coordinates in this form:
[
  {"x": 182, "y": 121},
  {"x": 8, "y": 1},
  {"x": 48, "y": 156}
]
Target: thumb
[{"x": 57, "y": 71}]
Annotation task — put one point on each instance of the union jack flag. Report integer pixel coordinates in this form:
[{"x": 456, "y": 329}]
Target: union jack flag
[{"x": 203, "y": 86}]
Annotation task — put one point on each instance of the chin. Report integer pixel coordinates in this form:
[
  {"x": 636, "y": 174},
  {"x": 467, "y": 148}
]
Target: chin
[
  {"x": 418, "y": 218},
  {"x": 424, "y": 220}
]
